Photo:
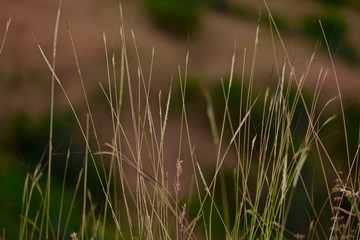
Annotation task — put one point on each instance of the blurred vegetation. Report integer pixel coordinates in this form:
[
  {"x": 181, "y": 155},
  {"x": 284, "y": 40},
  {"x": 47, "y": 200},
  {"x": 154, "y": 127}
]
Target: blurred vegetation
[
  {"x": 350, "y": 3},
  {"x": 176, "y": 16},
  {"x": 335, "y": 28},
  {"x": 183, "y": 17}
]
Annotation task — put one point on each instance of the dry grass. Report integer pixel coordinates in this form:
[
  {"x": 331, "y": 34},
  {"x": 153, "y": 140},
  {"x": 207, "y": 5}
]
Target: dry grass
[{"x": 141, "y": 201}]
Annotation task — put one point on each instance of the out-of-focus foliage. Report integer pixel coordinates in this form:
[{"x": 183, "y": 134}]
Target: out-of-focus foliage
[
  {"x": 179, "y": 17},
  {"x": 335, "y": 28},
  {"x": 338, "y": 2},
  {"x": 351, "y": 3}
]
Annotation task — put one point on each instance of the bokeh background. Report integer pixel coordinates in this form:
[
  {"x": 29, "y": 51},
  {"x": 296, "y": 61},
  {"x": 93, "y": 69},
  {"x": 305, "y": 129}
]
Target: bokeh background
[{"x": 210, "y": 29}]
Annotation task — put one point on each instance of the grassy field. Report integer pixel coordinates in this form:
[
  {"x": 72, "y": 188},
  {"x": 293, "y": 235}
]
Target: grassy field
[{"x": 281, "y": 162}]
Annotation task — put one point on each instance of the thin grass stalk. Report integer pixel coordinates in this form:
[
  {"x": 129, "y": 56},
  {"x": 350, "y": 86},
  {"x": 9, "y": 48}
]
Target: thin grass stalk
[
  {"x": 5, "y": 34},
  {"x": 50, "y": 153},
  {"x": 42, "y": 205},
  {"x": 77, "y": 186},
  {"x": 85, "y": 95},
  {"x": 85, "y": 189},
  {"x": 265, "y": 160},
  {"x": 211, "y": 197},
  {"x": 138, "y": 133},
  {"x": 222, "y": 177},
  {"x": 183, "y": 120},
  {"x": 23, "y": 224},
  {"x": 147, "y": 110},
  {"x": 81, "y": 129},
  {"x": 321, "y": 148},
  {"x": 294, "y": 177},
  {"x": 123, "y": 69},
  {"x": 184, "y": 127},
  {"x": 232, "y": 140},
  {"x": 263, "y": 142},
  {"x": 306, "y": 109},
  {"x": 246, "y": 142},
  {"x": 340, "y": 96},
  {"x": 158, "y": 165},
  {"x": 299, "y": 82},
  {"x": 110, "y": 88},
  {"x": 316, "y": 222},
  {"x": 219, "y": 146},
  {"x": 226, "y": 114},
  {"x": 142, "y": 136},
  {"x": 218, "y": 142},
  {"x": 318, "y": 142},
  {"x": 62, "y": 194},
  {"x": 123, "y": 63},
  {"x": 342, "y": 111},
  {"x": 35, "y": 227},
  {"x": 108, "y": 188},
  {"x": 163, "y": 125},
  {"x": 279, "y": 164},
  {"x": 163, "y": 129},
  {"x": 135, "y": 129},
  {"x": 183, "y": 112},
  {"x": 115, "y": 106},
  {"x": 356, "y": 161},
  {"x": 225, "y": 200},
  {"x": 117, "y": 151},
  {"x": 108, "y": 183},
  {"x": 249, "y": 93},
  {"x": 124, "y": 184},
  {"x": 119, "y": 89},
  {"x": 156, "y": 199},
  {"x": 240, "y": 165},
  {"x": 27, "y": 198},
  {"x": 283, "y": 199}
]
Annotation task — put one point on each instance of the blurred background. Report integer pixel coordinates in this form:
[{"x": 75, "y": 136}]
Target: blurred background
[{"x": 210, "y": 29}]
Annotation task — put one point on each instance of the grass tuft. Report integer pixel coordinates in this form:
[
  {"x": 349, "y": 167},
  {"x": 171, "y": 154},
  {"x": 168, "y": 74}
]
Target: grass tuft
[{"x": 258, "y": 184}]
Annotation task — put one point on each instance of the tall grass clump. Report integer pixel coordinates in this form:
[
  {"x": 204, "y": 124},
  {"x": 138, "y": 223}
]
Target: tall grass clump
[{"x": 255, "y": 176}]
